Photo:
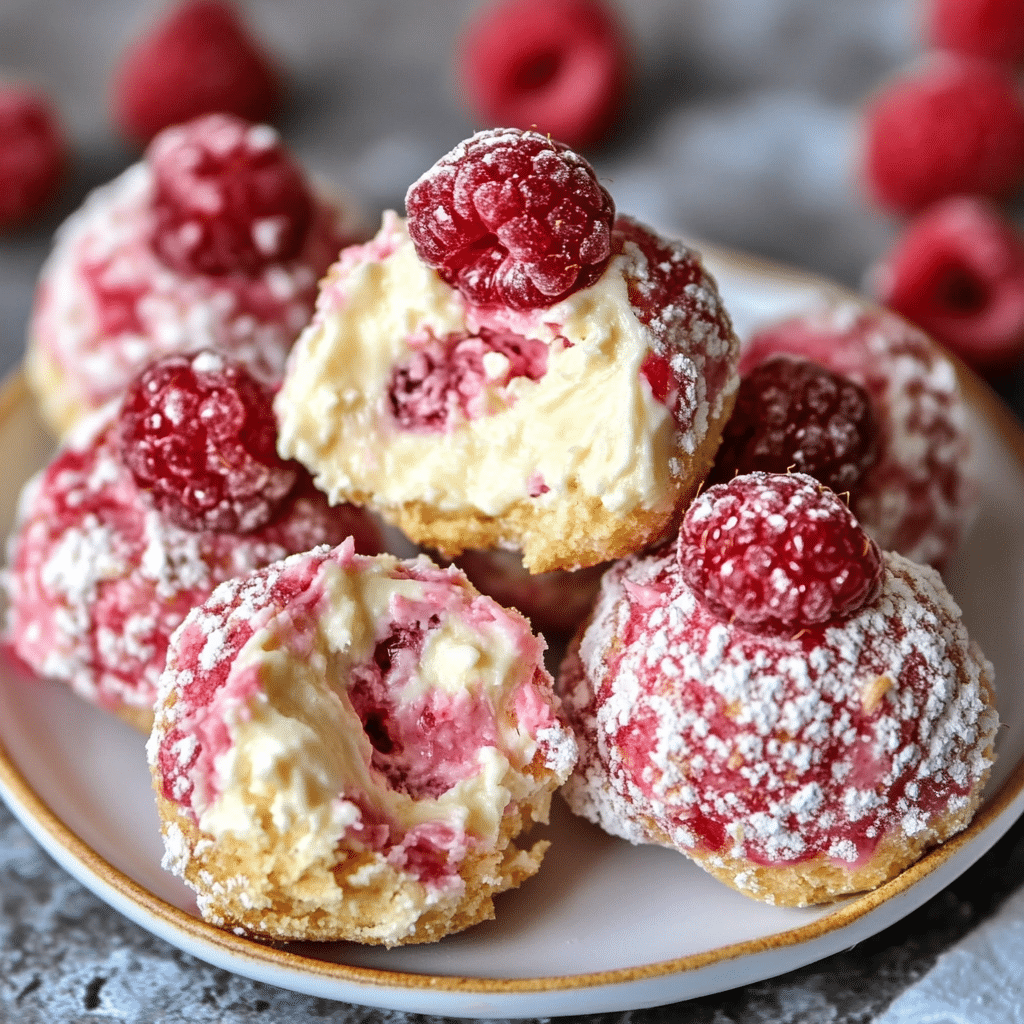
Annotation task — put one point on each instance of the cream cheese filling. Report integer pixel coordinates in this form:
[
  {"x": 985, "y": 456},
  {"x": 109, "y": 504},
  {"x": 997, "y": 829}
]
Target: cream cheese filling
[
  {"x": 298, "y": 751},
  {"x": 589, "y": 424}
]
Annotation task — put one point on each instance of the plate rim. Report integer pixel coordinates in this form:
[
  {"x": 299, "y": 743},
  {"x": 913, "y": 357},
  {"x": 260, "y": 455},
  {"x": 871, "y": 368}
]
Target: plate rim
[{"x": 53, "y": 834}]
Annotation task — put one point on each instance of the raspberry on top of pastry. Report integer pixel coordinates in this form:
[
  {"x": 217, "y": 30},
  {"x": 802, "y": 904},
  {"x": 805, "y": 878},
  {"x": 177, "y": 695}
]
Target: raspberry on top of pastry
[
  {"x": 864, "y": 402},
  {"x": 214, "y": 240},
  {"x": 141, "y": 514},
  {"x": 513, "y": 366},
  {"x": 799, "y": 713}
]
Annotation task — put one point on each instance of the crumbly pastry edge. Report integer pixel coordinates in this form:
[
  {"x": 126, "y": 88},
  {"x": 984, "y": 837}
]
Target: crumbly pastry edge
[
  {"x": 236, "y": 888},
  {"x": 578, "y": 533}
]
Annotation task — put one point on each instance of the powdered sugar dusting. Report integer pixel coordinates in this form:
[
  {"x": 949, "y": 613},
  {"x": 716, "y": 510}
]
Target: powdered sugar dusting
[
  {"x": 677, "y": 300},
  {"x": 98, "y": 579},
  {"x": 107, "y": 304},
  {"x": 762, "y": 748},
  {"x": 921, "y": 494}
]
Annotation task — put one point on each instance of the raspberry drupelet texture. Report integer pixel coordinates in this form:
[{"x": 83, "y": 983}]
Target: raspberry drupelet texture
[
  {"x": 98, "y": 579},
  {"x": 448, "y": 380},
  {"x": 953, "y": 127},
  {"x": 777, "y": 553},
  {"x": 201, "y": 59},
  {"x": 510, "y": 217},
  {"x": 32, "y": 153},
  {"x": 198, "y": 434},
  {"x": 792, "y": 414},
  {"x": 919, "y": 495},
  {"x": 227, "y": 197},
  {"x": 957, "y": 271}
]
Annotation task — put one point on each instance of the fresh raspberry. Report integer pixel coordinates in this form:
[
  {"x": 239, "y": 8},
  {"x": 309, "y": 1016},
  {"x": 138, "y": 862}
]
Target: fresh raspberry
[
  {"x": 558, "y": 66},
  {"x": 792, "y": 414},
  {"x": 511, "y": 218},
  {"x": 451, "y": 378},
  {"x": 32, "y": 153},
  {"x": 955, "y": 127},
  {"x": 777, "y": 553},
  {"x": 227, "y": 197},
  {"x": 198, "y": 433},
  {"x": 992, "y": 29},
  {"x": 200, "y": 60},
  {"x": 958, "y": 273}
]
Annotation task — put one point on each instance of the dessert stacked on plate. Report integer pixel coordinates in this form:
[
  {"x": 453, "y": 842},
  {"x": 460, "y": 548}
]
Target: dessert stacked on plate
[{"x": 348, "y": 745}]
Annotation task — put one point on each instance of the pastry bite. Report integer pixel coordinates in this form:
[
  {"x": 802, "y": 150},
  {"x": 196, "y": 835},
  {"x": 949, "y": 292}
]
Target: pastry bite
[
  {"x": 214, "y": 240},
  {"x": 865, "y": 403},
  {"x": 349, "y": 748},
  {"x": 799, "y": 713},
  {"x": 142, "y": 512},
  {"x": 513, "y": 366}
]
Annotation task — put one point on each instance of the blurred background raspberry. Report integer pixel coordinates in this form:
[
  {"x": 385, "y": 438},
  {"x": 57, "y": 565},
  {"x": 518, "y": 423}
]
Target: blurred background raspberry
[
  {"x": 767, "y": 127},
  {"x": 740, "y": 124}
]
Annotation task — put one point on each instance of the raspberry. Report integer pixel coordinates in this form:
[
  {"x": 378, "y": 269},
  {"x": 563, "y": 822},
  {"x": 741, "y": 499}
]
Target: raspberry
[
  {"x": 227, "y": 197},
  {"x": 198, "y": 433},
  {"x": 32, "y": 153},
  {"x": 794, "y": 414},
  {"x": 775, "y": 554},
  {"x": 449, "y": 378},
  {"x": 511, "y": 218},
  {"x": 956, "y": 127},
  {"x": 993, "y": 29},
  {"x": 200, "y": 60},
  {"x": 558, "y": 66},
  {"x": 958, "y": 273},
  {"x": 415, "y": 754}
]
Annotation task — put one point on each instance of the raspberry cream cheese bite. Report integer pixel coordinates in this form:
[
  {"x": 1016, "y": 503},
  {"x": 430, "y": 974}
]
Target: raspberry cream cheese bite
[
  {"x": 513, "y": 367},
  {"x": 214, "y": 240},
  {"x": 349, "y": 747},
  {"x": 800, "y": 714},
  {"x": 139, "y": 517},
  {"x": 865, "y": 403}
]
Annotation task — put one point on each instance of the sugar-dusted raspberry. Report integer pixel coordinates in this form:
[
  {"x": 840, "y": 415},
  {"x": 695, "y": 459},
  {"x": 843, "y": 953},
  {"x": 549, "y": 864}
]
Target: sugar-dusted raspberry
[
  {"x": 993, "y": 29},
  {"x": 792, "y": 414},
  {"x": 953, "y": 127},
  {"x": 461, "y": 377},
  {"x": 227, "y": 197},
  {"x": 958, "y": 273},
  {"x": 776, "y": 553},
  {"x": 198, "y": 433},
  {"x": 558, "y": 66},
  {"x": 511, "y": 218},
  {"x": 201, "y": 59},
  {"x": 32, "y": 153}
]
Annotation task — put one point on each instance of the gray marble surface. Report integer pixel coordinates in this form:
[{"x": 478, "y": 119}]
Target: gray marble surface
[{"x": 741, "y": 128}]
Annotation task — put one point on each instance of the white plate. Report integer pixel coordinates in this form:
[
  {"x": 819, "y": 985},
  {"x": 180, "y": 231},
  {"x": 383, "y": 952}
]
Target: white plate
[{"x": 604, "y": 926}]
